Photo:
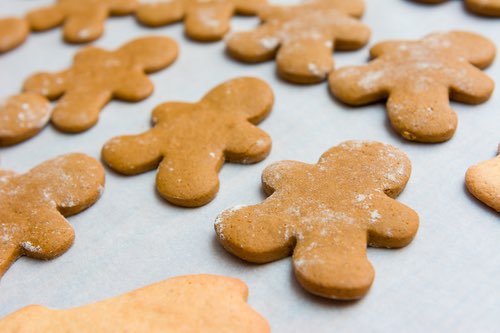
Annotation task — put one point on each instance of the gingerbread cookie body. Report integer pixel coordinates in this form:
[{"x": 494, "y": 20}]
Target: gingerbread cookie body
[
  {"x": 33, "y": 206},
  {"x": 22, "y": 116},
  {"x": 83, "y": 20},
  {"x": 418, "y": 78},
  {"x": 325, "y": 214},
  {"x": 190, "y": 142},
  {"x": 203, "y": 20},
  {"x": 481, "y": 7},
  {"x": 302, "y": 38},
  {"x": 13, "y": 32},
  {"x": 98, "y": 75},
  {"x": 483, "y": 181},
  {"x": 196, "y": 303}
]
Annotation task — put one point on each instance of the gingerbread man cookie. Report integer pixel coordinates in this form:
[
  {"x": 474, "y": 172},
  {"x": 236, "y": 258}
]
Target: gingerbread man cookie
[
  {"x": 13, "y": 32},
  {"x": 418, "y": 78},
  {"x": 483, "y": 181},
  {"x": 204, "y": 20},
  {"x": 302, "y": 38},
  {"x": 98, "y": 75},
  {"x": 481, "y": 7},
  {"x": 194, "y": 303},
  {"x": 33, "y": 206},
  {"x": 190, "y": 142},
  {"x": 83, "y": 20},
  {"x": 22, "y": 116},
  {"x": 326, "y": 214}
]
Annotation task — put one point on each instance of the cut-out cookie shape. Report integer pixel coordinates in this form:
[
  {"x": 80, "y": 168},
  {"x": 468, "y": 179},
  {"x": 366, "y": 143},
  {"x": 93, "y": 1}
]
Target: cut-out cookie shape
[
  {"x": 33, "y": 206},
  {"x": 302, "y": 38},
  {"x": 194, "y": 303},
  {"x": 418, "y": 78},
  {"x": 83, "y": 20},
  {"x": 22, "y": 116},
  {"x": 483, "y": 181},
  {"x": 204, "y": 20},
  {"x": 190, "y": 142},
  {"x": 481, "y": 7},
  {"x": 13, "y": 32},
  {"x": 98, "y": 75},
  {"x": 326, "y": 214}
]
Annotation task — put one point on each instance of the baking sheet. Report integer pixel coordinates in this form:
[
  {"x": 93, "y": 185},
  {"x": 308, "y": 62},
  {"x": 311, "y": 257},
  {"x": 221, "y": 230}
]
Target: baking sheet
[{"x": 448, "y": 279}]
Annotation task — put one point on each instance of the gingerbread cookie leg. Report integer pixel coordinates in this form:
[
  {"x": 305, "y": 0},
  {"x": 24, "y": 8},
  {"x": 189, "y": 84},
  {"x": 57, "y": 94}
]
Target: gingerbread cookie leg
[
  {"x": 476, "y": 87},
  {"x": 78, "y": 110},
  {"x": 157, "y": 14},
  {"x": 85, "y": 27},
  {"x": 251, "y": 148},
  {"x": 42, "y": 19},
  {"x": 13, "y": 32},
  {"x": 208, "y": 21},
  {"x": 334, "y": 267},
  {"x": 190, "y": 180},
  {"x": 245, "y": 7},
  {"x": 424, "y": 116}
]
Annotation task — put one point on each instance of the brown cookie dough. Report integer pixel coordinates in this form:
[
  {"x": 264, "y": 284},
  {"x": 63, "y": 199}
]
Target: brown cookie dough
[
  {"x": 22, "y": 116},
  {"x": 33, "y": 206},
  {"x": 191, "y": 141},
  {"x": 83, "y": 20},
  {"x": 98, "y": 75},
  {"x": 204, "y": 20},
  {"x": 13, "y": 32},
  {"x": 302, "y": 38},
  {"x": 483, "y": 181},
  {"x": 325, "y": 214},
  {"x": 418, "y": 78},
  {"x": 195, "y": 303}
]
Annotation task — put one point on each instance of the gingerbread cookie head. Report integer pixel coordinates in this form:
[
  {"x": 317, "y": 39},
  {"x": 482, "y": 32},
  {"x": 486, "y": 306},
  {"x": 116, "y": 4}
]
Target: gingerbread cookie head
[
  {"x": 204, "y": 20},
  {"x": 33, "y": 206},
  {"x": 190, "y": 142},
  {"x": 418, "y": 78},
  {"x": 83, "y": 20},
  {"x": 302, "y": 38},
  {"x": 13, "y": 32},
  {"x": 193, "y": 303},
  {"x": 483, "y": 182},
  {"x": 325, "y": 214},
  {"x": 98, "y": 75},
  {"x": 22, "y": 116}
]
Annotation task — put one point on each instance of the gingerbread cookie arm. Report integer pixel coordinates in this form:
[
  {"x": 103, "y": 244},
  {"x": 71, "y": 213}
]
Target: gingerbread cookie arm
[
  {"x": 259, "y": 234},
  {"x": 427, "y": 117},
  {"x": 247, "y": 144},
  {"x": 189, "y": 180},
  {"x": 158, "y": 14},
  {"x": 351, "y": 35},
  {"x": 13, "y": 32},
  {"x": 476, "y": 49},
  {"x": 208, "y": 21},
  {"x": 50, "y": 85},
  {"x": 45, "y": 18},
  {"x": 471, "y": 85},
  {"x": 334, "y": 267},
  {"x": 150, "y": 53},
  {"x": 133, "y": 154},
  {"x": 121, "y": 7},
  {"x": 391, "y": 224}
]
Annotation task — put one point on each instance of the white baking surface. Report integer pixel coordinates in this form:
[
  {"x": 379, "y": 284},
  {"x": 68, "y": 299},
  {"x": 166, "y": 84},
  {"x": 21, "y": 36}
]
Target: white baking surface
[{"x": 447, "y": 280}]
